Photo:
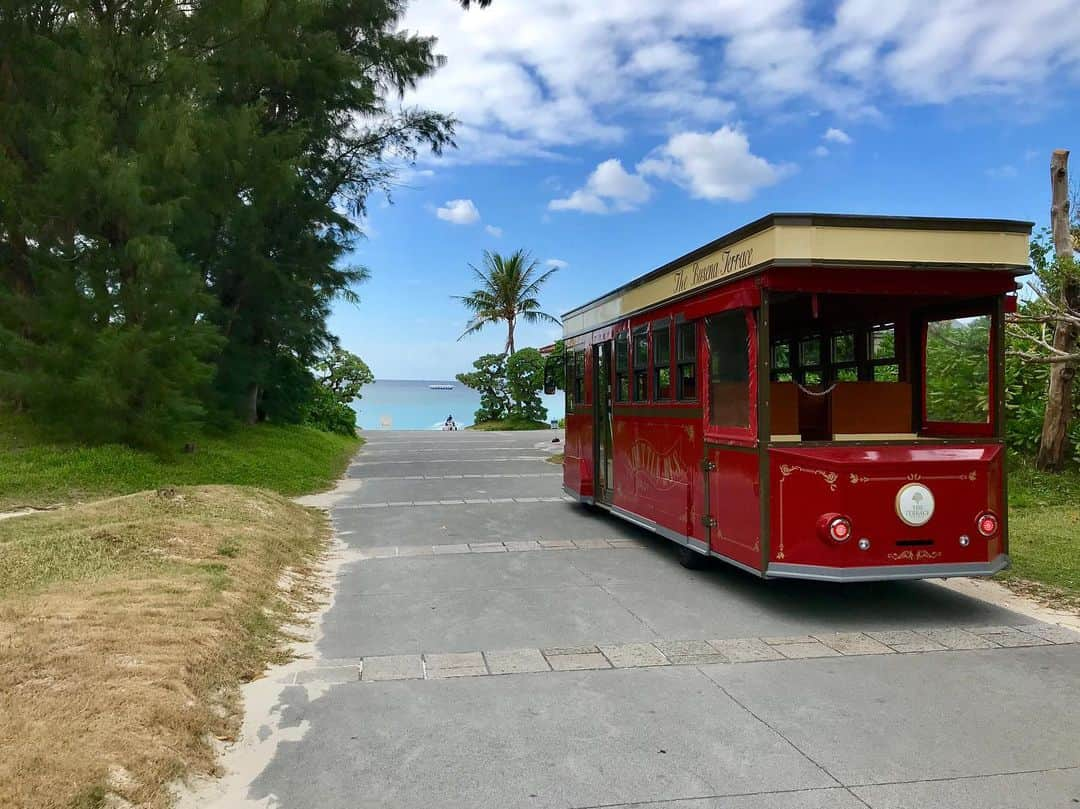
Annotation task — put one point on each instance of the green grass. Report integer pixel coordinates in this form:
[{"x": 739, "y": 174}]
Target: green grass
[
  {"x": 290, "y": 460},
  {"x": 510, "y": 424},
  {"x": 1044, "y": 534}
]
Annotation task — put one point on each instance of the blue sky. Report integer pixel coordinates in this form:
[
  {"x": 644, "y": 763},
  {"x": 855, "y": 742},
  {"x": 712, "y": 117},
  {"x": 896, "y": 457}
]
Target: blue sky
[{"x": 611, "y": 137}]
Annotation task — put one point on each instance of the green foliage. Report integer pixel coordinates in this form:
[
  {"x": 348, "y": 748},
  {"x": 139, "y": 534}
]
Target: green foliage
[
  {"x": 509, "y": 286},
  {"x": 343, "y": 374},
  {"x": 289, "y": 459},
  {"x": 178, "y": 184},
  {"x": 327, "y": 412},
  {"x": 490, "y": 379},
  {"x": 957, "y": 370},
  {"x": 509, "y": 424},
  {"x": 555, "y": 368},
  {"x": 339, "y": 377},
  {"x": 525, "y": 380}
]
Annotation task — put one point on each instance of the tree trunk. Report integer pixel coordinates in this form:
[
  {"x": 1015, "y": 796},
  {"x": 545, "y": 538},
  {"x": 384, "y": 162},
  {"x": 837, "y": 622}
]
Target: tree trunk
[
  {"x": 509, "y": 337},
  {"x": 1054, "y": 441},
  {"x": 252, "y": 405}
]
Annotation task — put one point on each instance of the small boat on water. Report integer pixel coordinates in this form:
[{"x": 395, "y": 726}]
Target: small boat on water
[{"x": 441, "y": 387}]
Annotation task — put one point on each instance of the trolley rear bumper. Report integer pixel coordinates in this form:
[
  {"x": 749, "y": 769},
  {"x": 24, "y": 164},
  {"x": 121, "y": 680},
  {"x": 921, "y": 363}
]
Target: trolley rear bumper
[{"x": 778, "y": 570}]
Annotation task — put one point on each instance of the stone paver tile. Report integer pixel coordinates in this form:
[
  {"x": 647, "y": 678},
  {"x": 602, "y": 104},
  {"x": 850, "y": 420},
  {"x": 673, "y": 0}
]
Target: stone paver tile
[
  {"x": 957, "y": 639},
  {"x": 451, "y": 502},
  {"x": 569, "y": 650},
  {"x": 477, "y": 500},
  {"x": 516, "y": 661},
  {"x": 502, "y": 499},
  {"x": 380, "y": 552},
  {"x": 904, "y": 640},
  {"x": 371, "y": 505},
  {"x": 698, "y": 660},
  {"x": 530, "y": 545},
  {"x": 419, "y": 550},
  {"x": 689, "y": 652},
  {"x": 853, "y": 643},
  {"x": 1011, "y": 637},
  {"x": 1052, "y": 633},
  {"x": 487, "y": 547},
  {"x": 425, "y": 502},
  {"x": 784, "y": 640},
  {"x": 634, "y": 655},
  {"x": 624, "y": 543},
  {"x": 392, "y": 667},
  {"x": 456, "y": 548},
  {"x": 557, "y": 544},
  {"x": 988, "y": 630},
  {"x": 587, "y": 544},
  {"x": 578, "y": 662},
  {"x": 330, "y": 674},
  {"x": 526, "y": 499},
  {"x": 745, "y": 650},
  {"x": 681, "y": 648},
  {"x": 400, "y": 503},
  {"x": 458, "y": 664},
  {"x": 801, "y": 651},
  {"x": 551, "y": 499}
]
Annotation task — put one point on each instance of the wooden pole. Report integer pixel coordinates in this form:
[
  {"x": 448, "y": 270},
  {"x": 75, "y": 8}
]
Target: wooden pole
[{"x": 1053, "y": 444}]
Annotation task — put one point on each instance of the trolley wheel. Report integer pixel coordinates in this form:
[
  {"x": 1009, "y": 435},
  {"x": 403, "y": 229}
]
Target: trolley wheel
[{"x": 691, "y": 559}]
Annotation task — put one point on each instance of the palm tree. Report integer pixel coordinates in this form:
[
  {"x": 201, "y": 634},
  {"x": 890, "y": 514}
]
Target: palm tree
[{"x": 508, "y": 289}]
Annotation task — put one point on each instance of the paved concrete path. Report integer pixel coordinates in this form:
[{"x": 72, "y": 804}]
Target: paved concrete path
[{"x": 494, "y": 645}]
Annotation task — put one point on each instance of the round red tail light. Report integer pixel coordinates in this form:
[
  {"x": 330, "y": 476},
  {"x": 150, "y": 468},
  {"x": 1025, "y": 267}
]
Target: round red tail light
[
  {"x": 987, "y": 525},
  {"x": 834, "y": 527}
]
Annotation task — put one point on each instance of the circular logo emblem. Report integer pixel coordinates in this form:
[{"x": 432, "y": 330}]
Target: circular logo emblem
[{"x": 914, "y": 504}]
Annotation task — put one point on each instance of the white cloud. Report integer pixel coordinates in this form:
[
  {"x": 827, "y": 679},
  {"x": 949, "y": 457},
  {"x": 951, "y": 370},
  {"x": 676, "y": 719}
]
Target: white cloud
[
  {"x": 1002, "y": 172},
  {"x": 834, "y": 135},
  {"x": 716, "y": 165},
  {"x": 609, "y": 188},
  {"x": 557, "y": 263},
  {"x": 494, "y": 231},
  {"x": 820, "y": 151},
  {"x": 459, "y": 212},
  {"x": 529, "y": 80}
]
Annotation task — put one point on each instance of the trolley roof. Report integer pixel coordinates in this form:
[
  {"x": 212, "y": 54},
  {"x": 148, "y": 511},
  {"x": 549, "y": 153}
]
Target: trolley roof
[{"x": 813, "y": 239}]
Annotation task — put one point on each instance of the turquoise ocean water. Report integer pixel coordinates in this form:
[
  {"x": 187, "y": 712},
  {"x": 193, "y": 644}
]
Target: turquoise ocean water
[{"x": 409, "y": 404}]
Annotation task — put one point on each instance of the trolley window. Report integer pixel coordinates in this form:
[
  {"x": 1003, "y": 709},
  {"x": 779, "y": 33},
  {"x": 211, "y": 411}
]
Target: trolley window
[
  {"x": 842, "y": 359},
  {"x": 622, "y": 367},
  {"x": 686, "y": 360},
  {"x": 957, "y": 368},
  {"x": 882, "y": 354},
  {"x": 641, "y": 364},
  {"x": 729, "y": 369},
  {"x": 579, "y": 377},
  {"x": 661, "y": 349},
  {"x": 810, "y": 366}
]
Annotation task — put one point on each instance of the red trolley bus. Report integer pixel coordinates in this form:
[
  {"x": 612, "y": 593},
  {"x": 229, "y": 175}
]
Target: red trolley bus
[{"x": 811, "y": 396}]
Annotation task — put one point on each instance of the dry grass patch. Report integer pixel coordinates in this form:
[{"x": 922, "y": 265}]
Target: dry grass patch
[{"x": 125, "y": 629}]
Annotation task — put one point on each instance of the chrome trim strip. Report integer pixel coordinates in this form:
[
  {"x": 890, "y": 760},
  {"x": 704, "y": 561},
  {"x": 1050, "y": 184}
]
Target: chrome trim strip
[
  {"x": 886, "y": 572},
  {"x": 738, "y": 564},
  {"x": 681, "y": 539}
]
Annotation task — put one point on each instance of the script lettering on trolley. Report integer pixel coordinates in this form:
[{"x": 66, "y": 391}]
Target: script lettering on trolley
[{"x": 698, "y": 273}]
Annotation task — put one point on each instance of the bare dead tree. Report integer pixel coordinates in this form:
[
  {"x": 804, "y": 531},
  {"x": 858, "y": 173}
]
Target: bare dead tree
[{"x": 1048, "y": 330}]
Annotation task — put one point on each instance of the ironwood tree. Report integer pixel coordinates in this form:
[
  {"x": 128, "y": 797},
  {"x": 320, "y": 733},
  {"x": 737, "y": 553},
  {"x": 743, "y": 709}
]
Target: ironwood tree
[{"x": 179, "y": 186}]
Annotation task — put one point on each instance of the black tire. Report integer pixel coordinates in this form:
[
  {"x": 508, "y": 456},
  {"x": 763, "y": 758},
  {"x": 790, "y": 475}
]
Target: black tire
[{"x": 691, "y": 559}]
